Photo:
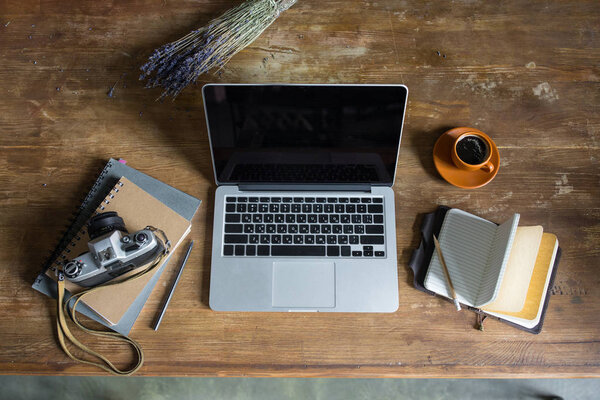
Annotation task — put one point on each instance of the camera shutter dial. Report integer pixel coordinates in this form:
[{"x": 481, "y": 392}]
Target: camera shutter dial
[{"x": 72, "y": 269}]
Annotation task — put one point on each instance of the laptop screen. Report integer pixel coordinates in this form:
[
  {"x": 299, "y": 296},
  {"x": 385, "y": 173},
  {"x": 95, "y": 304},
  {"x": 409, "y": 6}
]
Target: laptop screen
[{"x": 305, "y": 134}]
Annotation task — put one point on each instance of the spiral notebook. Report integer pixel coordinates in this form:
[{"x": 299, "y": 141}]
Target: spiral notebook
[
  {"x": 181, "y": 203},
  {"x": 138, "y": 210}
]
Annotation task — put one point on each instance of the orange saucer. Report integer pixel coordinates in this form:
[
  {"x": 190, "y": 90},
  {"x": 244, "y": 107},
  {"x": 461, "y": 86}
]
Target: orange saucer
[{"x": 456, "y": 176}]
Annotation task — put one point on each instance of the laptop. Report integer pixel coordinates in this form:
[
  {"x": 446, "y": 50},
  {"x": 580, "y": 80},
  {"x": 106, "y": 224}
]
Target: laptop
[{"x": 304, "y": 214}]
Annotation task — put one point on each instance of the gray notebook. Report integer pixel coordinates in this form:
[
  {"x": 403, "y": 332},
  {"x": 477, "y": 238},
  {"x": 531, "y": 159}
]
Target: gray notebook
[{"x": 180, "y": 202}]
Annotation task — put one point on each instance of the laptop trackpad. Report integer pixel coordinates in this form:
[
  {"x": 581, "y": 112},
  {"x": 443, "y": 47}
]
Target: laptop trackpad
[{"x": 303, "y": 284}]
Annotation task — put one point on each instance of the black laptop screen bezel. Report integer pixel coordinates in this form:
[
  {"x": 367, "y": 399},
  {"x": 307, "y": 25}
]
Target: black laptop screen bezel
[{"x": 208, "y": 107}]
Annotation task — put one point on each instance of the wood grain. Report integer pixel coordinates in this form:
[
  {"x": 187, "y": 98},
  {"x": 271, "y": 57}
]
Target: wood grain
[{"x": 525, "y": 72}]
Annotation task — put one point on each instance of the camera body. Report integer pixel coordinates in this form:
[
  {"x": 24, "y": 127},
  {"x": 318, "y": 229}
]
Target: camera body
[{"x": 112, "y": 251}]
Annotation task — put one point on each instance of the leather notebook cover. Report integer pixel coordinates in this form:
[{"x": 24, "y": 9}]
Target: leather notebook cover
[{"x": 421, "y": 257}]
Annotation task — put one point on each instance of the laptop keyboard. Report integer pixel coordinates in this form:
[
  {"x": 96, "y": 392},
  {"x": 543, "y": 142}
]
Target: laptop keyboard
[{"x": 304, "y": 226}]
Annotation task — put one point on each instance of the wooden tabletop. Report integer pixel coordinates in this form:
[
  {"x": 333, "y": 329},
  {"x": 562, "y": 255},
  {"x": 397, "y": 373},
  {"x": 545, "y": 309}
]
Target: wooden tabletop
[{"x": 525, "y": 72}]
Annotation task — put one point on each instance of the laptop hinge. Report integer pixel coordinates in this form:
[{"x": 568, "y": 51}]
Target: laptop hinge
[{"x": 305, "y": 187}]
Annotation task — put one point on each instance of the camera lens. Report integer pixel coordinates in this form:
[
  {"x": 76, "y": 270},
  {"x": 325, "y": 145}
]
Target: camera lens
[
  {"x": 141, "y": 237},
  {"x": 72, "y": 269},
  {"x": 105, "y": 223}
]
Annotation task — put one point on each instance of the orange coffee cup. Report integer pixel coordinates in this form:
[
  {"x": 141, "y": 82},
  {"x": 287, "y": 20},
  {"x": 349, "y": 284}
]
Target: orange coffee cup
[{"x": 472, "y": 151}]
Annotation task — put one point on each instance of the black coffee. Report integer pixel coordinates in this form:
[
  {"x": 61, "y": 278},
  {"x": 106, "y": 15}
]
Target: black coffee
[{"x": 472, "y": 150}]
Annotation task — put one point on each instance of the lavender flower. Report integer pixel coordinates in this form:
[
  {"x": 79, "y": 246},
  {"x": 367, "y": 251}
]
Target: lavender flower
[{"x": 175, "y": 65}]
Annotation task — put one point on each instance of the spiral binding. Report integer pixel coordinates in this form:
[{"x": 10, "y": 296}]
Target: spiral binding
[
  {"x": 77, "y": 221},
  {"x": 64, "y": 256}
]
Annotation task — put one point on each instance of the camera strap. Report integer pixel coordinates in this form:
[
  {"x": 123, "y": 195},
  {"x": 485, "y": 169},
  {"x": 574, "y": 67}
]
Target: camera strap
[{"x": 65, "y": 335}]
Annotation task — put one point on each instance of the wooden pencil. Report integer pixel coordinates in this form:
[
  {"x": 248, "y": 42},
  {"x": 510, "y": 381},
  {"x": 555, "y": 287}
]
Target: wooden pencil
[{"x": 445, "y": 268}]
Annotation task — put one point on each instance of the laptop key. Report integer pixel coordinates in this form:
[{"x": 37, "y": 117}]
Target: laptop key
[
  {"x": 366, "y": 200},
  {"x": 239, "y": 250},
  {"x": 344, "y": 200},
  {"x": 345, "y": 251},
  {"x": 276, "y": 239},
  {"x": 355, "y": 200},
  {"x": 375, "y": 208},
  {"x": 283, "y": 251},
  {"x": 242, "y": 199},
  {"x": 356, "y": 253},
  {"x": 271, "y": 228},
  {"x": 246, "y": 218},
  {"x": 309, "y": 239},
  {"x": 353, "y": 239},
  {"x": 368, "y": 253},
  {"x": 320, "y": 239},
  {"x": 264, "y": 199},
  {"x": 230, "y": 207},
  {"x": 377, "y": 200},
  {"x": 263, "y": 250},
  {"x": 331, "y": 239},
  {"x": 235, "y": 239},
  {"x": 254, "y": 239},
  {"x": 298, "y": 239},
  {"x": 250, "y": 250},
  {"x": 228, "y": 250},
  {"x": 275, "y": 199},
  {"x": 268, "y": 218},
  {"x": 232, "y": 217},
  {"x": 257, "y": 218},
  {"x": 253, "y": 199},
  {"x": 248, "y": 228},
  {"x": 333, "y": 251},
  {"x": 321, "y": 200},
  {"x": 379, "y": 253},
  {"x": 374, "y": 228},
  {"x": 367, "y": 219},
  {"x": 371, "y": 239},
  {"x": 287, "y": 239},
  {"x": 378, "y": 219},
  {"x": 279, "y": 218},
  {"x": 287, "y": 199},
  {"x": 230, "y": 199},
  {"x": 342, "y": 239}
]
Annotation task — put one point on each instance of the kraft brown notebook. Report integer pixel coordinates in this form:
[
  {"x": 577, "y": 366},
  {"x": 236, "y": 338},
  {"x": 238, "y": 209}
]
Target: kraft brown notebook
[{"x": 138, "y": 210}]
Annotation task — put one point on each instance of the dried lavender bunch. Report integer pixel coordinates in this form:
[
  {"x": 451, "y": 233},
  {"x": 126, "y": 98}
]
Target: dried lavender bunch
[{"x": 177, "y": 64}]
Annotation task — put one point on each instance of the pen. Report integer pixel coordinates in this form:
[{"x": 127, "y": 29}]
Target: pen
[
  {"x": 164, "y": 308},
  {"x": 443, "y": 262}
]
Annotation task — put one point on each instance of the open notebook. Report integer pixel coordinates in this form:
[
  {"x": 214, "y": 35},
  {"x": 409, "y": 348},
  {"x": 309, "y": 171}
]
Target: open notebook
[
  {"x": 138, "y": 210},
  {"x": 503, "y": 270}
]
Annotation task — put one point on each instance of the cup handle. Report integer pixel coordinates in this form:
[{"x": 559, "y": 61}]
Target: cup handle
[{"x": 489, "y": 167}]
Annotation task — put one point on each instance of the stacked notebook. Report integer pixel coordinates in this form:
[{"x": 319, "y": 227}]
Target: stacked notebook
[
  {"x": 141, "y": 201},
  {"x": 505, "y": 271}
]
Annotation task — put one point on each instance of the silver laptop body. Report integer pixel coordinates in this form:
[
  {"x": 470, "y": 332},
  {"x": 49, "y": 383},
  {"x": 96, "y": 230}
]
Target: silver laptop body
[{"x": 304, "y": 215}]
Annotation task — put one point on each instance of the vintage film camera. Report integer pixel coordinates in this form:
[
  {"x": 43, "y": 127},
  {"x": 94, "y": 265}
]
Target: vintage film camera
[{"x": 113, "y": 251}]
